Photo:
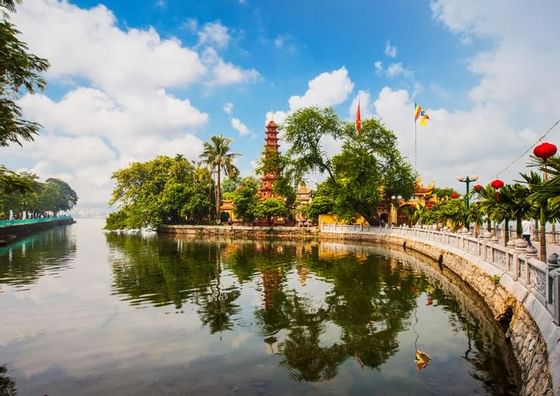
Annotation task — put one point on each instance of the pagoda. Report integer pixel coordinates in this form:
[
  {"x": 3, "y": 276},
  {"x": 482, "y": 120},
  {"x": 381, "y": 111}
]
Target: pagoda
[{"x": 270, "y": 149}]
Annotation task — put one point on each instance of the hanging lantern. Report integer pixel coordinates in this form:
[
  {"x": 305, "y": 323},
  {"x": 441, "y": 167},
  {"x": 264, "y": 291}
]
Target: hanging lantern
[
  {"x": 454, "y": 195},
  {"x": 477, "y": 187},
  {"x": 545, "y": 150},
  {"x": 497, "y": 184}
]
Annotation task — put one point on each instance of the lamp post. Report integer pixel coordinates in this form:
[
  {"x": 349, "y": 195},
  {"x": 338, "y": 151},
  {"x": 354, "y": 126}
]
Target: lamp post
[
  {"x": 467, "y": 180},
  {"x": 395, "y": 199}
]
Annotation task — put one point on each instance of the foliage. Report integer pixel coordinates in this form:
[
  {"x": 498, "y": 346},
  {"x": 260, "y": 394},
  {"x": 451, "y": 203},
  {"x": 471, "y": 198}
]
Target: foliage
[
  {"x": 230, "y": 184},
  {"x": 23, "y": 192},
  {"x": 217, "y": 156},
  {"x": 322, "y": 203},
  {"x": 19, "y": 73},
  {"x": 367, "y": 170},
  {"x": 163, "y": 190},
  {"x": 245, "y": 199},
  {"x": 270, "y": 208}
]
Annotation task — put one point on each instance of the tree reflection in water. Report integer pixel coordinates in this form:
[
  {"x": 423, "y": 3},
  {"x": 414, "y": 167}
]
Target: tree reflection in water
[
  {"x": 369, "y": 300},
  {"x": 7, "y": 384},
  {"x": 25, "y": 261}
]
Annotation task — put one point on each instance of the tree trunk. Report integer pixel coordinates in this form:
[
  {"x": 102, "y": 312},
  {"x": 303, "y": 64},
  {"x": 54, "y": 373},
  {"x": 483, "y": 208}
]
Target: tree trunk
[
  {"x": 542, "y": 238},
  {"x": 537, "y": 236},
  {"x": 218, "y": 197},
  {"x": 518, "y": 228}
]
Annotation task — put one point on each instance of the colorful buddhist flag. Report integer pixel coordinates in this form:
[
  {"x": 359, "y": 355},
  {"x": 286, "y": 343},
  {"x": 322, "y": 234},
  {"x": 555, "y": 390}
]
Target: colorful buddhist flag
[
  {"x": 417, "y": 110},
  {"x": 424, "y": 117},
  {"x": 358, "y": 120}
]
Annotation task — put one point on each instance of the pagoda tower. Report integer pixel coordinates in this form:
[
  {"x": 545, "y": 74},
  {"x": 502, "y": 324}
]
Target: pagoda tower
[{"x": 270, "y": 149}]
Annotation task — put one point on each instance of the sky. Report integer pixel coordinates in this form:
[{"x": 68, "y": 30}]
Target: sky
[{"x": 130, "y": 80}]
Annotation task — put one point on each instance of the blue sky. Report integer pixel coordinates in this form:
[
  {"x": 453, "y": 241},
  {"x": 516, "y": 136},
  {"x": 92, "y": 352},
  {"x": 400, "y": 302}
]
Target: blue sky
[{"x": 133, "y": 79}]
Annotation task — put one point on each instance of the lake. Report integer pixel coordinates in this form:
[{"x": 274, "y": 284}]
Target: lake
[{"x": 89, "y": 313}]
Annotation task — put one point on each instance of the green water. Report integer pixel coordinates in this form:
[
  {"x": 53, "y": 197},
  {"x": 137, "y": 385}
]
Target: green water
[{"x": 85, "y": 313}]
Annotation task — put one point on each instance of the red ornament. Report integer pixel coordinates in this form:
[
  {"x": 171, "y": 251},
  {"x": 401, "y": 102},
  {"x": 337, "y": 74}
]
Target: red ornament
[
  {"x": 429, "y": 204},
  {"x": 545, "y": 150},
  {"x": 454, "y": 195},
  {"x": 497, "y": 184},
  {"x": 477, "y": 187}
]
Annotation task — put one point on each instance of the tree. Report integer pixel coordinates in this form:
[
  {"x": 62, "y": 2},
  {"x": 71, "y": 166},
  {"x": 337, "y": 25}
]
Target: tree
[
  {"x": 68, "y": 197},
  {"x": 19, "y": 73},
  {"x": 245, "y": 199},
  {"x": 163, "y": 190},
  {"x": 368, "y": 168},
  {"x": 218, "y": 157},
  {"x": 271, "y": 208}
]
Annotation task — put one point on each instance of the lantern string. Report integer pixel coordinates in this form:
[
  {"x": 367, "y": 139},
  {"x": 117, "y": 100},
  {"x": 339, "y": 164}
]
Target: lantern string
[{"x": 529, "y": 149}]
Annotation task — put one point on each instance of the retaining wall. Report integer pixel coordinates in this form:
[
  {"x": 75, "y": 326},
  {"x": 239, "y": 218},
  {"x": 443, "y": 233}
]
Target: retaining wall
[{"x": 529, "y": 326}]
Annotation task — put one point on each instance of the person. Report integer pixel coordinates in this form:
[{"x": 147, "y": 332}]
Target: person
[{"x": 527, "y": 228}]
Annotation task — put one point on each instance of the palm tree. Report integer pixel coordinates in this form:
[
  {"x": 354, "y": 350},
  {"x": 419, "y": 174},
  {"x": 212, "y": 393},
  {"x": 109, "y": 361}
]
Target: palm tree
[
  {"x": 218, "y": 157},
  {"x": 546, "y": 195}
]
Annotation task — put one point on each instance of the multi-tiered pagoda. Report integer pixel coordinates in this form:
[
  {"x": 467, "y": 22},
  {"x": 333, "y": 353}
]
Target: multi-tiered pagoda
[{"x": 270, "y": 150}]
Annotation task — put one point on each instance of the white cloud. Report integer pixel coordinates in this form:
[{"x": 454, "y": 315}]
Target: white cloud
[
  {"x": 397, "y": 69},
  {"x": 327, "y": 89},
  {"x": 224, "y": 73},
  {"x": 279, "y": 42},
  {"x": 214, "y": 34},
  {"x": 191, "y": 24},
  {"x": 277, "y": 116},
  {"x": 89, "y": 44},
  {"x": 390, "y": 50},
  {"x": 378, "y": 65},
  {"x": 239, "y": 126},
  {"x": 228, "y": 108}
]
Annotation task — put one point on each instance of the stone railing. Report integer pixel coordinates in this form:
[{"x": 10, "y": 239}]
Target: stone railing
[{"x": 538, "y": 278}]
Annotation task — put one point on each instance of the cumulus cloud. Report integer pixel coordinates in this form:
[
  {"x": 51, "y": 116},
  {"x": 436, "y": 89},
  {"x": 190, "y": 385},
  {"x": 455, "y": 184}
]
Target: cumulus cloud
[
  {"x": 214, "y": 34},
  {"x": 88, "y": 44},
  {"x": 327, "y": 89},
  {"x": 390, "y": 50},
  {"x": 228, "y": 108},
  {"x": 378, "y": 65},
  {"x": 239, "y": 127},
  {"x": 224, "y": 73},
  {"x": 397, "y": 69}
]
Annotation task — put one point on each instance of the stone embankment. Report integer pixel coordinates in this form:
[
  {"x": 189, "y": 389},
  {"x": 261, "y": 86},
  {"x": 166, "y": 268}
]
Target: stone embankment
[
  {"x": 227, "y": 231},
  {"x": 11, "y": 233},
  {"x": 515, "y": 304}
]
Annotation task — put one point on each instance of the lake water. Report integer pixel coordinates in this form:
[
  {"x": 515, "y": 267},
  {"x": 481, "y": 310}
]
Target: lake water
[{"x": 88, "y": 313}]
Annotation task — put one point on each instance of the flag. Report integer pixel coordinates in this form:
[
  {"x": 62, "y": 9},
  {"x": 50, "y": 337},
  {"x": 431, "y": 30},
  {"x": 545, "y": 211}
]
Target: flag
[
  {"x": 417, "y": 110},
  {"x": 424, "y": 118},
  {"x": 358, "y": 120}
]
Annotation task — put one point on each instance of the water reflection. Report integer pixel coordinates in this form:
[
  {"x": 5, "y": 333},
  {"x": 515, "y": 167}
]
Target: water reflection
[
  {"x": 7, "y": 384},
  {"x": 319, "y": 306},
  {"x": 25, "y": 261}
]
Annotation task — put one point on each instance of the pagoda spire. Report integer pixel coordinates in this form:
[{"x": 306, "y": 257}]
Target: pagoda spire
[{"x": 271, "y": 149}]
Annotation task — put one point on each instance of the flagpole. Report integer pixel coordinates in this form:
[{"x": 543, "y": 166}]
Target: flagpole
[{"x": 415, "y": 149}]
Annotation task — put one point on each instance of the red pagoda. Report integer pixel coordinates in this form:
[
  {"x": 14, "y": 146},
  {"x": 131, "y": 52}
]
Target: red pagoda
[{"x": 270, "y": 148}]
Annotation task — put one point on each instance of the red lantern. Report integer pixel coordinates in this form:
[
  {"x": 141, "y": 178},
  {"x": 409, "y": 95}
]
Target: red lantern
[
  {"x": 454, "y": 195},
  {"x": 545, "y": 150},
  {"x": 497, "y": 184},
  {"x": 477, "y": 187}
]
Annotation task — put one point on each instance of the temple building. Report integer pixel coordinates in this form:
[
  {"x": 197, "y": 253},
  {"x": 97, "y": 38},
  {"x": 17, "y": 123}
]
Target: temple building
[{"x": 270, "y": 150}]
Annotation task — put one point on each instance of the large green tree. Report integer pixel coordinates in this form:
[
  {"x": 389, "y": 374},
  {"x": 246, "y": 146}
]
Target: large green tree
[
  {"x": 219, "y": 158},
  {"x": 20, "y": 72},
  {"x": 368, "y": 169},
  {"x": 163, "y": 190}
]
